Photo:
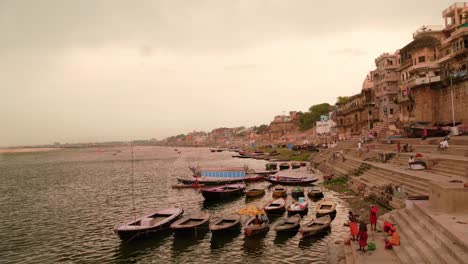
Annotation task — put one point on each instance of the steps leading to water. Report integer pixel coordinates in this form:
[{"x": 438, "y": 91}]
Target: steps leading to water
[{"x": 424, "y": 240}]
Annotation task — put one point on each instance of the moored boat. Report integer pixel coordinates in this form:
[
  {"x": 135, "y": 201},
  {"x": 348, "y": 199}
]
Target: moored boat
[
  {"x": 288, "y": 224},
  {"x": 295, "y": 165},
  {"x": 315, "y": 226},
  {"x": 284, "y": 166},
  {"x": 191, "y": 223},
  {"x": 315, "y": 193},
  {"x": 279, "y": 191},
  {"x": 326, "y": 207},
  {"x": 225, "y": 223},
  {"x": 271, "y": 166},
  {"x": 297, "y": 192},
  {"x": 184, "y": 186},
  {"x": 301, "y": 208},
  {"x": 148, "y": 224},
  {"x": 285, "y": 180},
  {"x": 222, "y": 192},
  {"x": 253, "y": 229},
  {"x": 254, "y": 192},
  {"x": 303, "y": 164},
  {"x": 275, "y": 207}
]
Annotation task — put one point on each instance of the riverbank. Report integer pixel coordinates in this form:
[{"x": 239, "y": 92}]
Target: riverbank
[{"x": 26, "y": 150}]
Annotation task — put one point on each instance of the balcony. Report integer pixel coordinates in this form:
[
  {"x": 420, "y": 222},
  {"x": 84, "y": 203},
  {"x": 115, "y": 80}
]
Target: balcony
[
  {"x": 431, "y": 64},
  {"x": 423, "y": 80},
  {"x": 427, "y": 29},
  {"x": 461, "y": 31},
  {"x": 459, "y": 74},
  {"x": 452, "y": 55}
]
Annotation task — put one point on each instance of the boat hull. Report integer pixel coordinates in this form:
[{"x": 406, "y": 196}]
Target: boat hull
[{"x": 291, "y": 181}]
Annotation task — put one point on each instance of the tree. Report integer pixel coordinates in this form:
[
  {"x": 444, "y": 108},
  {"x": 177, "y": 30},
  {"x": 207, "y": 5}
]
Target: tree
[
  {"x": 309, "y": 118},
  {"x": 342, "y": 99}
]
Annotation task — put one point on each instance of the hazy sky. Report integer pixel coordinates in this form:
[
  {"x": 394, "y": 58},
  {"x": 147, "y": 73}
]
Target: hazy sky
[{"x": 74, "y": 71}]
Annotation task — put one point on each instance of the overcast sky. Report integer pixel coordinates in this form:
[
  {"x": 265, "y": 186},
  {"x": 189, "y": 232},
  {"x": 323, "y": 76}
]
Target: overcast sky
[{"x": 85, "y": 71}]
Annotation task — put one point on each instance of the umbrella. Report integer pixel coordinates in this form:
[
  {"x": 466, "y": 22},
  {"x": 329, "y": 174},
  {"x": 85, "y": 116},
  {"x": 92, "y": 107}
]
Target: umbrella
[{"x": 251, "y": 210}]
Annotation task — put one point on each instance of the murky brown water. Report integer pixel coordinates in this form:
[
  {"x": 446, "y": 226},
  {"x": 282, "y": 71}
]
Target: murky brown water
[{"x": 61, "y": 206}]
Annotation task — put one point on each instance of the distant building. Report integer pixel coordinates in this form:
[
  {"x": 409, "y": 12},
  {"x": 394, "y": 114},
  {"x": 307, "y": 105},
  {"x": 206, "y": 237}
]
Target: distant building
[{"x": 325, "y": 125}]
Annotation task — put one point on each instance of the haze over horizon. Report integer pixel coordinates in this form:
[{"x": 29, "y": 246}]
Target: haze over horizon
[{"x": 88, "y": 71}]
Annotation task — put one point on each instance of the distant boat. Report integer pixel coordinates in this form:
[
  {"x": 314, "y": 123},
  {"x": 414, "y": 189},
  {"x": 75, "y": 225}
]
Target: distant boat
[
  {"x": 148, "y": 224},
  {"x": 316, "y": 226},
  {"x": 254, "y": 192},
  {"x": 315, "y": 193},
  {"x": 225, "y": 223},
  {"x": 297, "y": 192},
  {"x": 303, "y": 164},
  {"x": 326, "y": 208},
  {"x": 271, "y": 166},
  {"x": 295, "y": 165},
  {"x": 279, "y": 191},
  {"x": 275, "y": 207},
  {"x": 288, "y": 224},
  {"x": 191, "y": 223},
  {"x": 222, "y": 192},
  {"x": 284, "y": 166},
  {"x": 301, "y": 208},
  {"x": 285, "y": 180}
]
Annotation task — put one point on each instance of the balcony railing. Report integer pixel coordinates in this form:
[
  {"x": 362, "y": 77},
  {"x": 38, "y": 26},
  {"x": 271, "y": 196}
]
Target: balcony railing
[
  {"x": 428, "y": 64},
  {"x": 423, "y": 80}
]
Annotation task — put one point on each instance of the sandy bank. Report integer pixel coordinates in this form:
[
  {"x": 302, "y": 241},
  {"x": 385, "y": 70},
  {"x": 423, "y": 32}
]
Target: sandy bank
[{"x": 26, "y": 150}]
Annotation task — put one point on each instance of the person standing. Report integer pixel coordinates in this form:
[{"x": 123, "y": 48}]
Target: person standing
[
  {"x": 353, "y": 225},
  {"x": 373, "y": 217},
  {"x": 362, "y": 237}
]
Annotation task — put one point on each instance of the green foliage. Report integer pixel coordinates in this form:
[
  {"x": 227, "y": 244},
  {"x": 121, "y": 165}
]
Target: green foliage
[
  {"x": 260, "y": 129},
  {"x": 308, "y": 119},
  {"x": 342, "y": 99}
]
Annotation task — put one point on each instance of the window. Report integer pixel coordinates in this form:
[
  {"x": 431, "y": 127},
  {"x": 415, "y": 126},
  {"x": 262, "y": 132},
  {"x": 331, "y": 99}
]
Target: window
[
  {"x": 391, "y": 111},
  {"x": 422, "y": 59}
]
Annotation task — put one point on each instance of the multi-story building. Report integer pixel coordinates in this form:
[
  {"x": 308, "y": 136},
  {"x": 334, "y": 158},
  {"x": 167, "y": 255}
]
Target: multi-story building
[
  {"x": 385, "y": 80},
  {"x": 447, "y": 101},
  {"x": 418, "y": 67},
  {"x": 281, "y": 126},
  {"x": 357, "y": 114}
]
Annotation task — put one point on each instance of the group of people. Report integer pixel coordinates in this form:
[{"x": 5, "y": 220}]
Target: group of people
[{"x": 358, "y": 229}]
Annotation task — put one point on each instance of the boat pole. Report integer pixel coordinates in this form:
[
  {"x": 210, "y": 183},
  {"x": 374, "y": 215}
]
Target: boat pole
[{"x": 133, "y": 200}]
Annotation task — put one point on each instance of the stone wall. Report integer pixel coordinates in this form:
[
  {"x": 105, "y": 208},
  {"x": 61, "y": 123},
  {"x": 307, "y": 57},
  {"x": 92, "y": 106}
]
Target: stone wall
[{"x": 434, "y": 104}]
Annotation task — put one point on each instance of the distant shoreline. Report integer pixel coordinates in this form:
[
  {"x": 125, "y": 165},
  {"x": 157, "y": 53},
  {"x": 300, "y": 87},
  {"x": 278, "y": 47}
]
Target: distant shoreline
[{"x": 26, "y": 150}]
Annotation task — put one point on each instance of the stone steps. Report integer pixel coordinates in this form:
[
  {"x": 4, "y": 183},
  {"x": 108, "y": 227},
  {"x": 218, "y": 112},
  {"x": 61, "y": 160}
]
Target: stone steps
[
  {"x": 413, "y": 186},
  {"x": 400, "y": 252},
  {"x": 450, "y": 171},
  {"x": 439, "y": 234},
  {"x": 428, "y": 243},
  {"x": 401, "y": 177},
  {"x": 406, "y": 251}
]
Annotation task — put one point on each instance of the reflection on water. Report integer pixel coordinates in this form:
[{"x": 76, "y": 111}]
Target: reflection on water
[{"x": 61, "y": 206}]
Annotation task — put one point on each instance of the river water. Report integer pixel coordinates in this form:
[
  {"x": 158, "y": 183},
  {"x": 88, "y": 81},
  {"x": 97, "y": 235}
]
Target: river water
[{"x": 61, "y": 206}]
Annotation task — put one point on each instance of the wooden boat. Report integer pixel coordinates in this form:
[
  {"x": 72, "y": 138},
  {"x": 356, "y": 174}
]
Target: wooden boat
[
  {"x": 212, "y": 150},
  {"x": 288, "y": 224},
  {"x": 284, "y": 166},
  {"x": 279, "y": 191},
  {"x": 284, "y": 180},
  {"x": 184, "y": 186},
  {"x": 225, "y": 223},
  {"x": 297, "y": 192},
  {"x": 295, "y": 165},
  {"x": 326, "y": 207},
  {"x": 271, "y": 166},
  {"x": 219, "y": 150},
  {"x": 315, "y": 193},
  {"x": 210, "y": 181},
  {"x": 221, "y": 192},
  {"x": 191, "y": 223},
  {"x": 254, "y": 192},
  {"x": 303, "y": 164},
  {"x": 315, "y": 226},
  {"x": 251, "y": 229},
  {"x": 275, "y": 206},
  {"x": 254, "y": 178},
  {"x": 148, "y": 224},
  {"x": 298, "y": 208}
]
